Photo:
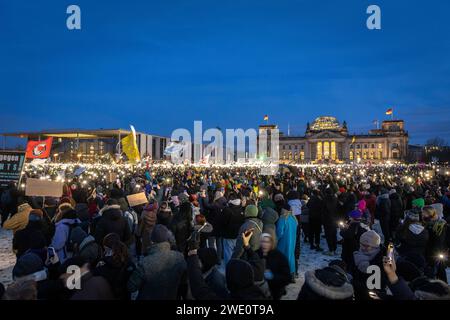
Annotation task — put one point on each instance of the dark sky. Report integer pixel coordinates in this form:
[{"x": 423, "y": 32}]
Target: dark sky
[{"x": 160, "y": 65}]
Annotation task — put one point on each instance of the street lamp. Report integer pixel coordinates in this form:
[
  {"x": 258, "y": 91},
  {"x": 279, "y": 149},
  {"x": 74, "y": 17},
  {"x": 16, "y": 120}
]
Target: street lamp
[{"x": 56, "y": 156}]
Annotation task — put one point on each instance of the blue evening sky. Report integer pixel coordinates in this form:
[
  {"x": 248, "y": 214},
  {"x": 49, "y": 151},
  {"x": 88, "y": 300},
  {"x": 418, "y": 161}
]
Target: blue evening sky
[{"x": 160, "y": 65}]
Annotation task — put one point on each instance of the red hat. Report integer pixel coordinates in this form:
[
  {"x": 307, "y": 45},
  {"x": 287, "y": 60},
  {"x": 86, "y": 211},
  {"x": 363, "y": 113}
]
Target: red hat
[{"x": 341, "y": 189}]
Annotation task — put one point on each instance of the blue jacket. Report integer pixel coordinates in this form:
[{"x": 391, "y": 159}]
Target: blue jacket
[
  {"x": 61, "y": 236},
  {"x": 287, "y": 235}
]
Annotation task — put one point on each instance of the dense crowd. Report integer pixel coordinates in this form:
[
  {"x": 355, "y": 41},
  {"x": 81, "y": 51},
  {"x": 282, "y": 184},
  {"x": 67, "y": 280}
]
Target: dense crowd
[{"x": 229, "y": 232}]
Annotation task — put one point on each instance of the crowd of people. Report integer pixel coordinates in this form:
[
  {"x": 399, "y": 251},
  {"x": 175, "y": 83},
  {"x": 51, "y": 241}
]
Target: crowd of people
[{"x": 229, "y": 232}]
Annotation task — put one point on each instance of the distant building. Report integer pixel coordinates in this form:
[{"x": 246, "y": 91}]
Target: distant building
[
  {"x": 416, "y": 153},
  {"x": 328, "y": 141},
  {"x": 94, "y": 145}
]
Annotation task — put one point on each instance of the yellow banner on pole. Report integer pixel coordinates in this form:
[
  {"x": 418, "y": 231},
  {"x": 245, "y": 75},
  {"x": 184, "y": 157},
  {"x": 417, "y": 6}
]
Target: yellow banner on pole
[{"x": 129, "y": 146}]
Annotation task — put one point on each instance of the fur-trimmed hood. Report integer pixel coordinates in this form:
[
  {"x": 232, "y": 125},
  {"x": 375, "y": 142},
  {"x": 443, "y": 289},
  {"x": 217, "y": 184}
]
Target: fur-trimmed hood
[{"x": 345, "y": 291}]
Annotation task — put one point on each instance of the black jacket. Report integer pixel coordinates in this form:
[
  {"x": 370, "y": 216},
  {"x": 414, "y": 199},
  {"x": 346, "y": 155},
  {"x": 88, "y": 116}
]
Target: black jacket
[
  {"x": 330, "y": 212},
  {"x": 276, "y": 262},
  {"x": 350, "y": 243},
  {"x": 33, "y": 236},
  {"x": 112, "y": 221},
  {"x": 229, "y": 221}
]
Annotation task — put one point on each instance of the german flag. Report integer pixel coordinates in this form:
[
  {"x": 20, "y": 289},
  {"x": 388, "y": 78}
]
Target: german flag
[
  {"x": 266, "y": 117},
  {"x": 389, "y": 111}
]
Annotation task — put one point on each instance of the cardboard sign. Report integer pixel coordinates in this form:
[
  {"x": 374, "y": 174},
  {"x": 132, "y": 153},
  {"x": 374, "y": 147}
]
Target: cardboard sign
[
  {"x": 111, "y": 177},
  {"x": 137, "y": 199},
  {"x": 11, "y": 165},
  {"x": 43, "y": 188}
]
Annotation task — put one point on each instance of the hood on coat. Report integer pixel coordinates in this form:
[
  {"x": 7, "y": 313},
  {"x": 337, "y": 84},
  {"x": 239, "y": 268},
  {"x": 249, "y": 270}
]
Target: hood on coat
[
  {"x": 113, "y": 212},
  {"x": 269, "y": 216},
  {"x": 416, "y": 228},
  {"x": 342, "y": 292}
]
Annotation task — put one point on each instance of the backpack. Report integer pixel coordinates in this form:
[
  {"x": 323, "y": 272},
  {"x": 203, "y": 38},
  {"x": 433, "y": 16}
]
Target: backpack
[
  {"x": 69, "y": 242},
  {"x": 132, "y": 220}
]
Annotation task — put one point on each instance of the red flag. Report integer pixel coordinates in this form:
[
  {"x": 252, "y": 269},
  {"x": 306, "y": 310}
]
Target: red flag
[{"x": 39, "y": 149}]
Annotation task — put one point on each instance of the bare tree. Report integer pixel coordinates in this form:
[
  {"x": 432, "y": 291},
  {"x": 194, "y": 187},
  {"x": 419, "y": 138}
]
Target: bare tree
[{"x": 436, "y": 142}]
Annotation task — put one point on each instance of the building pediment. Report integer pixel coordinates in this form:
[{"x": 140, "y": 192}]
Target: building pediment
[{"x": 326, "y": 135}]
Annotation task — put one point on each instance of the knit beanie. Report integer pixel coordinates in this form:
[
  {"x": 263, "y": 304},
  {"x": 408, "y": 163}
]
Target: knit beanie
[
  {"x": 27, "y": 264},
  {"x": 251, "y": 211},
  {"x": 160, "y": 233},
  {"x": 355, "y": 214},
  {"x": 370, "y": 238},
  {"x": 419, "y": 202}
]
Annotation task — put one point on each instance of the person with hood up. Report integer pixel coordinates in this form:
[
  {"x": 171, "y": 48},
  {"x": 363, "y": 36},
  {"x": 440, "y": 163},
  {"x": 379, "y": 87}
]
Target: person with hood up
[
  {"x": 329, "y": 218},
  {"x": 329, "y": 283},
  {"x": 68, "y": 221},
  {"x": 85, "y": 246},
  {"x": 316, "y": 208},
  {"x": 396, "y": 210},
  {"x": 383, "y": 213},
  {"x": 112, "y": 221},
  {"x": 287, "y": 236},
  {"x": 229, "y": 221},
  {"x": 37, "y": 233},
  {"x": 181, "y": 226},
  {"x": 412, "y": 236},
  {"x": 295, "y": 205},
  {"x": 251, "y": 222},
  {"x": 269, "y": 219},
  {"x": 277, "y": 271},
  {"x": 161, "y": 272}
]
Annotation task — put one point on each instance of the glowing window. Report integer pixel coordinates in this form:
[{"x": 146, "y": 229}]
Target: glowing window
[
  {"x": 326, "y": 150},
  {"x": 333, "y": 150},
  {"x": 319, "y": 150}
]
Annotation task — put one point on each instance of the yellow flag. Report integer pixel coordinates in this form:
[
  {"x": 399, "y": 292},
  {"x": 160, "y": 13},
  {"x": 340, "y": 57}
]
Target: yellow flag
[{"x": 129, "y": 146}]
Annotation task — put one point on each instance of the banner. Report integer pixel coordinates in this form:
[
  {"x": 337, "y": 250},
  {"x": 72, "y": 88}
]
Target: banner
[
  {"x": 43, "y": 188},
  {"x": 130, "y": 147},
  {"x": 11, "y": 165},
  {"x": 137, "y": 199},
  {"x": 39, "y": 149}
]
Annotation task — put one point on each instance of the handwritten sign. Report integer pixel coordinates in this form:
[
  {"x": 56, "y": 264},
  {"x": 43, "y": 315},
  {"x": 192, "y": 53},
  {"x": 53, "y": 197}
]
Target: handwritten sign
[{"x": 137, "y": 199}]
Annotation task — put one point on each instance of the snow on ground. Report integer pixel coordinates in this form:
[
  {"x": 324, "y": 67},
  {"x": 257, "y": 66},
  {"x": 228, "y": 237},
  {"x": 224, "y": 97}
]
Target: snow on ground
[
  {"x": 7, "y": 257},
  {"x": 309, "y": 260}
]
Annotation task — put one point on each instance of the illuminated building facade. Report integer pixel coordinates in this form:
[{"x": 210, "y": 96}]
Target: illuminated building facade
[{"x": 326, "y": 140}]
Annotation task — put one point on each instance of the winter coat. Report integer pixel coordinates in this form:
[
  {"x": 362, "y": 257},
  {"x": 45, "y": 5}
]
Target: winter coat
[
  {"x": 350, "y": 236},
  {"x": 316, "y": 208},
  {"x": 330, "y": 212},
  {"x": 62, "y": 231},
  {"x": 396, "y": 206},
  {"x": 287, "y": 235},
  {"x": 277, "y": 263},
  {"x": 229, "y": 221},
  {"x": 159, "y": 274},
  {"x": 383, "y": 208},
  {"x": 182, "y": 230},
  {"x": 93, "y": 288},
  {"x": 112, "y": 221},
  {"x": 32, "y": 237},
  {"x": 90, "y": 250},
  {"x": 116, "y": 275},
  {"x": 269, "y": 219},
  {"x": 412, "y": 239}
]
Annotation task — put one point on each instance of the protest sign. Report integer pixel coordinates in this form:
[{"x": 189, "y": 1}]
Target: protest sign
[
  {"x": 11, "y": 165},
  {"x": 137, "y": 199},
  {"x": 43, "y": 188}
]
